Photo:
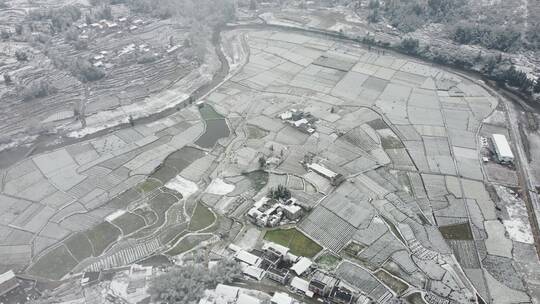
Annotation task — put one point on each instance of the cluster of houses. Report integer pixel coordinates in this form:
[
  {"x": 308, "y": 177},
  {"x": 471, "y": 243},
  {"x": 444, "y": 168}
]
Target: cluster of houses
[
  {"x": 276, "y": 263},
  {"x": 300, "y": 120},
  {"x": 269, "y": 212},
  {"x": 111, "y": 25},
  {"x": 224, "y": 294}
]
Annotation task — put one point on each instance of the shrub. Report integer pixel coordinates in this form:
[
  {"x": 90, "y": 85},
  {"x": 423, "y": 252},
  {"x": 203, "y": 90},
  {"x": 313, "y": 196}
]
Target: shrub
[
  {"x": 280, "y": 192},
  {"x": 85, "y": 71},
  {"x": 410, "y": 45},
  {"x": 37, "y": 89},
  {"x": 7, "y": 79},
  {"x": 21, "y": 55}
]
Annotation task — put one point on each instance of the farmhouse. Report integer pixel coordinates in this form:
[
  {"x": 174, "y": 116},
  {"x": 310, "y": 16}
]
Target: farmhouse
[
  {"x": 322, "y": 284},
  {"x": 301, "y": 286},
  {"x": 334, "y": 177},
  {"x": 247, "y": 299},
  {"x": 8, "y": 282},
  {"x": 282, "y": 298},
  {"x": 248, "y": 258},
  {"x": 341, "y": 295},
  {"x": 302, "y": 121},
  {"x": 302, "y": 265},
  {"x": 279, "y": 275},
  {"x": 502, "y": 149},
  {"x": 253, "y": 272},
  {"x": 268, "y": 212}
]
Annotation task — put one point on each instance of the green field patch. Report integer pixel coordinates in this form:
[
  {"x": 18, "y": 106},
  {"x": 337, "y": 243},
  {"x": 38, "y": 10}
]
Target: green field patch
[
  {"x": 258, "y": 179},
  {"x": 129, "y": 223},
  {"x": 123, "y": 200},
  {"x": 353, "y": 248},
  {"x": 254, "y": 132},
  {"x": 221, "y": 225},
  {"x": 173, "y": 233},
  {"x": 149, "y": 216},
  {"x": 390, "y": 142},
  {"x": 164, "y": 173},
  {"x": 378, "y": 124},
  {"x": 156, "y": 261},
  {"x": 328, "y": 261},
  {"x": 159, "y": 204},
  {"x": 394, "y": 230},
  {"x": 54, "y": 265},
  {"x": 202, "y": 218},
  {"x": 457, "y": 232},
  {"x": 188, "y": 243},
  {"x": 298, "y": 243},
  {"x": 102, "y": 235},
  {"x": 80, "y": 246},
  {"x": 397, "y": 285},
  {"x": 149, "y": 185},
  {"x": 208, "y": 113}
]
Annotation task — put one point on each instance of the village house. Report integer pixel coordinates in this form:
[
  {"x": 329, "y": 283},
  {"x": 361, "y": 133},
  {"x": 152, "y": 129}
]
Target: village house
[
  {"x": 335, "y": 178},
  {"x": 8, "y": 282},
  {"x": 322, "y": 284}
]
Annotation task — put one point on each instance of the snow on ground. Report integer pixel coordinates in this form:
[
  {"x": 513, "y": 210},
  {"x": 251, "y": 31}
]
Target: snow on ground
[
  {"x": 340, "y": 27},
  {"x": 106, "y": 119},
  {"x": 183, "y": 186},
  {"x": 236, "y": 55},
  {"x": 154, "y": 104},
  {"x": 114, "y": 215},
  {"x": 519, "y": 231},
  {"x": 517, "y": 226},
  {"x": 350, "y": 16},
  {"x": 497, "y": 118},
  {"x": 248, "y": 239},
  {"x": 17, "y": 141},
  {"x": 269, "y": 18},
  {"x": 219, "y": 187}
]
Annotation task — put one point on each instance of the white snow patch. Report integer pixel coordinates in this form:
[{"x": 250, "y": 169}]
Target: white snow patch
[
  {"x": 519, "y": 231},
  {"x": 340, "y": 27},
  {"x": 16, "y": 142},
  {"x": 517, "y": 226},
  {"x": 219, "y": 187},
  {"x": 183, "y": 186},
  {"x": 115, "y": 215},
  {"x": 114, "y": 117},
  {"x": 496, "y": 118}
]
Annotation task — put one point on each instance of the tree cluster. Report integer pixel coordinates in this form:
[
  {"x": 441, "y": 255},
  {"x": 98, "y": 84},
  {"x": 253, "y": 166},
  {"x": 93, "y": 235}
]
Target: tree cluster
[
  {"x": 409, "y": 15},
  {"x": 279, "y": 192},
  {"x": 61, "y": 18},
  {"x": 36, "y": 89},
  {"x": 508, "y": 74},
  {"x": 503, "y": 38},
  {"x": 209, "y": 12},
  {"x": 85, "y": 71},
  {"x": 186, "y": 284},
  {"x": 410, "y": 45},
  {"x": 21, "y": 55}
]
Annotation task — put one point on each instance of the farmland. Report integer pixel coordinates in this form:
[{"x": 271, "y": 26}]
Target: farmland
[{"x": 415, "y": 210}]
